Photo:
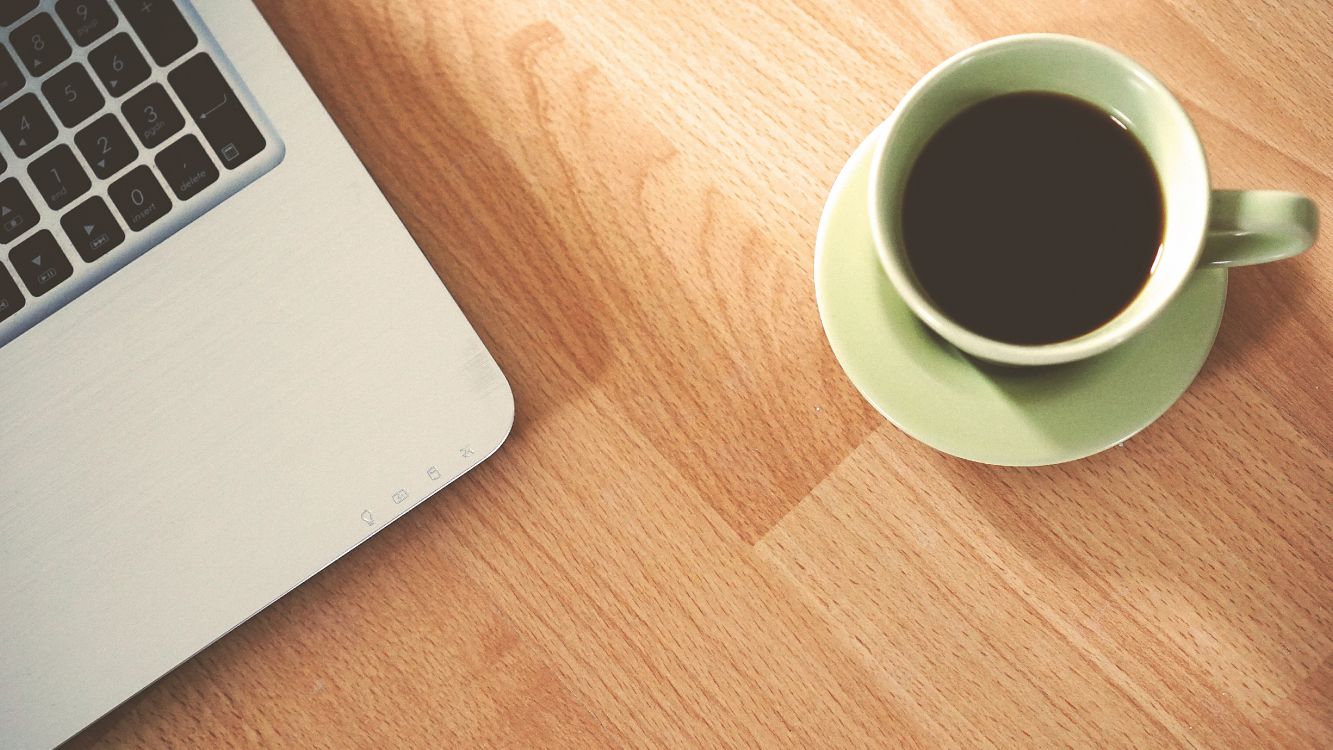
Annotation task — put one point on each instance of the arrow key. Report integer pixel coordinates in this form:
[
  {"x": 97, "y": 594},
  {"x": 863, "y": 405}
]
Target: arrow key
[
  {"x": 92, "y": 229},
  {"x": 17, "y": 213},
  {"x": 40, "y": 263},
  {"x": 11, "y": 298}
]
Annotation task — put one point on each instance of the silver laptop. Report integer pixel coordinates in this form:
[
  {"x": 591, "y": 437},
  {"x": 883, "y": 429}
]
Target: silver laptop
[{"x": 223, "y": 361}]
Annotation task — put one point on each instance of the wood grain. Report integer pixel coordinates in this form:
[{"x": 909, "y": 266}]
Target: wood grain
[{"x": 699, "y": 535}]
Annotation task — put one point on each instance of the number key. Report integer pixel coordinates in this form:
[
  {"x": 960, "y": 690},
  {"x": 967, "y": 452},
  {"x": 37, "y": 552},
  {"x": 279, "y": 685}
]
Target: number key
[
  {"x": 39, "y": 44},
  {"x": 106, "y": 146},
  {"x": 26, "y": 125},
  {"x": 11, "y": 78},
  {"x": 13, "y": 10},
  {"x": 119, "y": 64},
  {"x": 58, "y": 177},
  {"x": 87, "y": 20},
  {"x": 73, "y": 95},
  {"x": 140, "y": 198},
  {"x": 152, "y": 115}
]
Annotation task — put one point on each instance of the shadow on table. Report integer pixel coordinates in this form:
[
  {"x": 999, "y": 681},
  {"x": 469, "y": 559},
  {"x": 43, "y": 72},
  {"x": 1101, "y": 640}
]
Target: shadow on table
[
  {"x": 478, "y": 214},
  {"x": 1259, "y": 299},
  {"x": 472, "y": 187}
]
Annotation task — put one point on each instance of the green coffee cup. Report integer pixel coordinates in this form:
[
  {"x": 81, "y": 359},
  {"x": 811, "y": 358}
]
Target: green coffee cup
[{"x": 1202, "y": 227}]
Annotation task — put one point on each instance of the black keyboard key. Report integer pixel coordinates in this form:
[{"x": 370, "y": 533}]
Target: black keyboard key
[
  {"x": 40, "y": 263},
  {"x": 39, "y": 44},
  {"x": 186, "y": 167},
  {"x": 119, "y": 64},
  {"x": 86, "y": 20},
  {"x": 12, "y": 79},
  {"x": 73, "y": 95},
  {"x": 26, "y": 125},
  {"x": 13, "y": 10},
  {"x": 11, "y": 297},
  {"x": 161, "y": 27},
  {"x": 214, "y": 106},
  {"x": 139, "y": 198},
  {"x": 153, "y": 116},
  {"x": 58, "y": 177},
  {"x": 92, "y": 229},
  {"x": 17, "y": 213},
  {"x": 106, "y": 146}
]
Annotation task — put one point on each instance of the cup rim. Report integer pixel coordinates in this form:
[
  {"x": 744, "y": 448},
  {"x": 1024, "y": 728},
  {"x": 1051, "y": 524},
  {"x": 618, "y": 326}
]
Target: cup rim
[{"x": 1104, "y": 337}]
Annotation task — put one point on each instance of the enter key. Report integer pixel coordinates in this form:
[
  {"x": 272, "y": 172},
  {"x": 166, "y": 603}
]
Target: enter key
[{"x": 213, "y": 105}]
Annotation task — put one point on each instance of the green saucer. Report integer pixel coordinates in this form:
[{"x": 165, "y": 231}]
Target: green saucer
[{"x": 981, "y": 412}]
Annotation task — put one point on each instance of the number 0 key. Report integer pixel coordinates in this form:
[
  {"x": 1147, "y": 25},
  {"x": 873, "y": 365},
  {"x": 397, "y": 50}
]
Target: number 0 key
[{"x": 139, "y": 198}]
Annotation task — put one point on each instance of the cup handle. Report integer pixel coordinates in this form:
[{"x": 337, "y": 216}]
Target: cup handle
[{"x": 1246, "y": 227}]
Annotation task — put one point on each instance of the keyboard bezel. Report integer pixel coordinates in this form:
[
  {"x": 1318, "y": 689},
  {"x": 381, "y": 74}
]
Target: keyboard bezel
[{"x": 182, "y": 214}]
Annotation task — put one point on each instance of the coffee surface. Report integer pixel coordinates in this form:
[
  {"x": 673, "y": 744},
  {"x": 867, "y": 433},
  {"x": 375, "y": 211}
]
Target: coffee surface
[{"x": 1032, "y": 218}]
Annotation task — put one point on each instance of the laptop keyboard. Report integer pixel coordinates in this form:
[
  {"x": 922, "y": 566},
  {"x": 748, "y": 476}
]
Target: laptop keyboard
[{"x": 120, "y": 123}]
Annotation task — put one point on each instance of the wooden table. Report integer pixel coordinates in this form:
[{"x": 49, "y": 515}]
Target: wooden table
[{"x": 699, "y": 535}]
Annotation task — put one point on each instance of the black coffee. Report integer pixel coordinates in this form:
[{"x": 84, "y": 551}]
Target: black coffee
[{"x": 1032, "y": 218}]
